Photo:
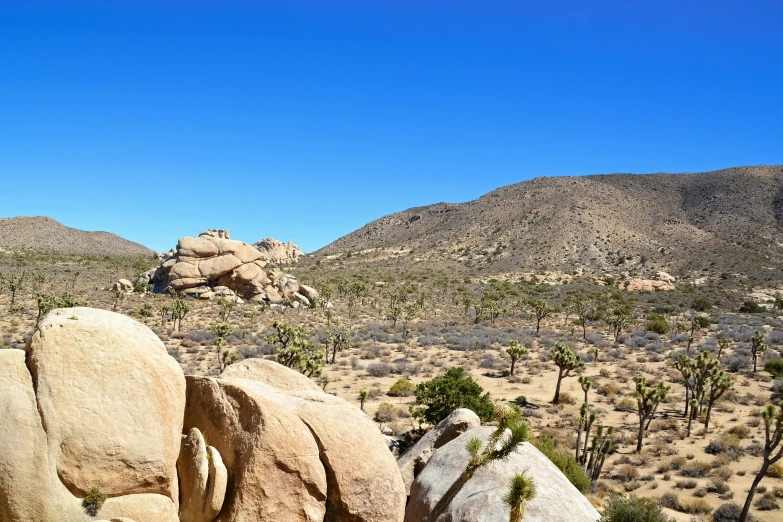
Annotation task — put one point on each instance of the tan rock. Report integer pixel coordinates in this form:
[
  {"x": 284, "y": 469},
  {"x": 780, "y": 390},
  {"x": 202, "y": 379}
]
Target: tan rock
[
  {"x": 649, "y": 285},
  {"x": 271, "y": 458},
  {"x": 112, "y": 401},
  {"x": 214, "y": 267},
  {"x": 218, "y": 482},
  {"x": 413, "y": 461},
  {"x": 197, "y": 247},
  {"x": 272, "y": 295},
  {"x": 309, "y": 292},
  {"x": 193, "y": 470},
  {"x": 278, "y": 252},
  {"x": 270, "y": 373}
]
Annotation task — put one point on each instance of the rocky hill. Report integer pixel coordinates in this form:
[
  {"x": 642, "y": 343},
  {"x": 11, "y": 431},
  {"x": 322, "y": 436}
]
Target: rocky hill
[
  {"x": 43, "y": 234},
  {"x": 713, "y": 222}
]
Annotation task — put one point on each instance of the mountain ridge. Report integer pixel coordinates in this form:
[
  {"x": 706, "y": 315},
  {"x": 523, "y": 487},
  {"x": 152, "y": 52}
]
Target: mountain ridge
[
  {"x": 45, "y": 234},
  {"x": 728, "y": 220}
]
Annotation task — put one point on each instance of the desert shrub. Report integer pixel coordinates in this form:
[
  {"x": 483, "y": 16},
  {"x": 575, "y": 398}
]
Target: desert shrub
[
  {"x": 726, "y": 444},
  {"x": 751, "y": 307},
  {"x": 697, "y": 468},
  {"x": 775, "y": 367},
  {"x": 737, "y": 363},
  {"x": 777, "y": 386},
  {"x": 686, "y": 484},
  {"x": 701, "y": 304},
  {"x": 386, "y": 412},
  {"x": 437, "y": 398},
  {"x": 633, "y": 509},
  {"x": 428, "y": 340},
  {"x": 727, "y": 513},
  {"x": 490, "y": 362},
  {"x": 627, "y": 473},
  {"x": 740, "y": 431},
  {"x": 175, "y": 353},
  {"x": 565, "y": 462},
  {"x": 256, "y": 350},
  {"x": 626, "y": 404},
  {"x": 775, "y": 470},
  {"x": 93, "y": 502},
  {"x": 657, "y": 323},
  {"x": 567, "y": 398},
  {"x": 767, "y": 502},
  {"x": 696, "y": 506},
  {"x": 379, "y": 370},
  {"x": 669, "y": 501},
  {"x": 401, "y": 388}
]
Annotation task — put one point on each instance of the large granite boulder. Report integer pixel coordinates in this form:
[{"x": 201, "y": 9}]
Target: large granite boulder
[
  {"x": 96, "y": 402},
  {"x": 293, "y": 452},
  {"x": 416, "y": 457},
  {"x": 278, "y": 252},
  {"x": 199, "y": 265},
  {"x": 481, "y": 498}
]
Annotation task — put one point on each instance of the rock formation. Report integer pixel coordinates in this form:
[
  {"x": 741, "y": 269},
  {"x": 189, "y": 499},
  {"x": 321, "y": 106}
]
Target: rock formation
[
  {"x": 293, "y": 452},
  {"x": 481, "y": 498},
  {"x": 279, "y": 253},
  {"x": 413, "y": 461},
  {"x": 211, "y": 265},
  {"x": 96, "y": 403}
]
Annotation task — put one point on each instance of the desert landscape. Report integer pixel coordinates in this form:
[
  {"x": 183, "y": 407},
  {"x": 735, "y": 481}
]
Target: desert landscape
[{"x": 375, "y": 324}]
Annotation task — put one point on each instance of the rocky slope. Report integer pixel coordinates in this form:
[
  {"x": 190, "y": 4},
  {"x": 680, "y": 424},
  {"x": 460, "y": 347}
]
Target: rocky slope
[
  {"x": 728, "y": 220},
  {"x": 43, "y": 234}
]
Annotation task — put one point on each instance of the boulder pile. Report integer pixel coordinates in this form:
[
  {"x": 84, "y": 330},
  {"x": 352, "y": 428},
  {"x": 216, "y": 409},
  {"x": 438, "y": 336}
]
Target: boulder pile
[
  {"x": 279, "y": 253},
  {"x": 97, "y": 409},
  {"x": 212, "y": 265}
]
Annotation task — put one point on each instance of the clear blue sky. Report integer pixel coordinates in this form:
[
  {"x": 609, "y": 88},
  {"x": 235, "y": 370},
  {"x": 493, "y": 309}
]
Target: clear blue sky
[{"x": 305, "y": 120}]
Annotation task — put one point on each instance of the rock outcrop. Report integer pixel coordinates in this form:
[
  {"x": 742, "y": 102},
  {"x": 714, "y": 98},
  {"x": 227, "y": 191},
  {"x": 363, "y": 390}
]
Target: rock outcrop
[
  {"x": 278, "y": 252},
  {"x": 292, "y": 451},
  {"x": 649, "y": 285},
  {"x": 212, "y": 265},
  {"x": 96, "y": 402},
  {"x": 123, "y": 285},
  {"x": 481, "y": 498},
  {"x": 413, "y": 461}
]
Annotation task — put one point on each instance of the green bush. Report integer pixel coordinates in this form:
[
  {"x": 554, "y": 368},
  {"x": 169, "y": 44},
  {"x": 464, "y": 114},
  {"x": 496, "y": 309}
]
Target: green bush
[
  {"x": 701, "y": 304},
  {"x": 93, "y": 502},
  {"x": 658, "y": 324},
  {"x": 633, "y": 509},
  {"x": 401, "y": 388},
  {"x": 437, "y": 398},
  {"x": 751, "y": 307},
  {"x": 564, "y": 461},
  {"x": 775, "y": 367}
]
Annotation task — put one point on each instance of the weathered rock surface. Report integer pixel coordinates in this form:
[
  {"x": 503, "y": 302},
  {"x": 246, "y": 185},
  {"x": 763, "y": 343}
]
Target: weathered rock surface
[
  {"x": 649, "y": 285},
  {"x": 213, "y": 265},
  {"x": 271, "y": 373},
  {"x": 412, "y": 461},
  {"x": 123, "y": 285},
  {"x": 481, "y": 498},
  {"x": 292, "y": 451},
  {"x": 111, "y": 399},
  {"x": 202, "y": 479},
  {"x": 278, "y": 252},
  {"x": 95, "y": 402}
]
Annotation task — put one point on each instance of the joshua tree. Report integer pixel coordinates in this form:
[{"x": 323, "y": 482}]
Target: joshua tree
[
  {"x": 757, "y": 346},
  {"x": 164, "y": 313},
  {"x": 697, "y": 323},
  {"x": 363, "y": 394},
  {"x": 718, "y": 384},
  {"x": 295, "y": 350},
  {"x": 647, "y": 400},
  {"x": 586, "y": 420},
  {"x": 723, "y": 344},
  {"x": 408, "y": 314},
  {"x": 515, "y": 351},
  {"x": 566, "y": 360},
  {"x": 684, "y": 364},
  {"x": 116, "y": 294},
  {"x": 338, "y": 342},
  {"x": 600, "y": 448},
  {"x": 224, "y": 358},
  {"x": 226, "y": 307},
  {"x": 179, "y": 309},
  {"x": 499, "y": 446},
  {"x": 15, "y": 283},
  {"x": 773, "y": 449},
  {"x": 466, "y": 301},
  {"x": 583, "y": 309},
  {"x": 45, "y": 305},
  {"x": 586, "y": 383},
  {"x": 395, "y": 312},
  {"x": 617, "y": 321},
  {"x": 521, "y": 491},
  {"x": 542, "y": 310}
]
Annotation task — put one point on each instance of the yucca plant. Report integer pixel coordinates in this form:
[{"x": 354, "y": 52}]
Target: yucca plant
[{"x": 521, "y": 491}]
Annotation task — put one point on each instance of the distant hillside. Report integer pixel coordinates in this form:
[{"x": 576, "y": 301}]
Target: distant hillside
[
  {"x": 713, "y": 222},
  {"x": 43, "y": 234}
]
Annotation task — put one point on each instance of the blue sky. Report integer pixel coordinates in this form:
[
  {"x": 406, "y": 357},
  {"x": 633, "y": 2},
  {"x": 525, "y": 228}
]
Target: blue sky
[{"x": 305, "y": 120}]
